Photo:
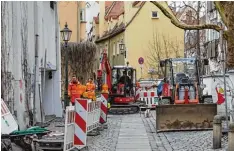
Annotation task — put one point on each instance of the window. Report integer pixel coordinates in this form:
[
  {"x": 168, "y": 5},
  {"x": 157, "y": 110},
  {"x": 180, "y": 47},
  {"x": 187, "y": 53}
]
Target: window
[
  {"x": 117, "y": 52},
  {"x": 52, "y": 4},
  {"x": 154, "y": 14},
  {"x": 82, "y": 15},
  {"x": 113, "y": 49}
]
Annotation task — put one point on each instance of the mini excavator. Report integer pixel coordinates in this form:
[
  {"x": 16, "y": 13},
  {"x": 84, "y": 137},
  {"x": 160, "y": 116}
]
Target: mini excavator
[{"x": 121, "y": 82}]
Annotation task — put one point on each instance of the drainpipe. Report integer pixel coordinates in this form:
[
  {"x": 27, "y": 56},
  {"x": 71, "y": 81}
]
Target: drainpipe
[
  {"x": 36, "y": 59},
  {"x": 224, "y": 75},
  {"x": 78, "y": 22},
  {"x": 57, "y": 49},
  {"x": 35, "y": 80}
]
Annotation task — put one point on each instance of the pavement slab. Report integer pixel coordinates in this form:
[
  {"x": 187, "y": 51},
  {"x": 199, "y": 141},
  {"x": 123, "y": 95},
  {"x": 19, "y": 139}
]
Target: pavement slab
[{"x": 132, "y": 134}]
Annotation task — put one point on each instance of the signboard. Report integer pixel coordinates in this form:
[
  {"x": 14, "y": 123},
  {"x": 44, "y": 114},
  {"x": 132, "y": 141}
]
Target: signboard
[
  {"x": 8, "y": 123},
  {"x": 140, "y": 60}
]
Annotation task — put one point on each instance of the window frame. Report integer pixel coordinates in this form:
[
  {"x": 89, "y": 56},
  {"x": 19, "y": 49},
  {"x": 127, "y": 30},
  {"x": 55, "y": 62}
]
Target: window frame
[{"x": 82, "y": 15}]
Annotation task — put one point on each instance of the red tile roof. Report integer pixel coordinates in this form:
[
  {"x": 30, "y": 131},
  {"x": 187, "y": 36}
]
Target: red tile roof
[
  {"x": 116, "y": 10},
  {"x": 136, "y": 3},
  {"x": 108, "y": 5}
]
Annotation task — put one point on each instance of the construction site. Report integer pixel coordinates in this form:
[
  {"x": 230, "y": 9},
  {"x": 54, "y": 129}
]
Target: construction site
[{"x": 122, "y": 82}]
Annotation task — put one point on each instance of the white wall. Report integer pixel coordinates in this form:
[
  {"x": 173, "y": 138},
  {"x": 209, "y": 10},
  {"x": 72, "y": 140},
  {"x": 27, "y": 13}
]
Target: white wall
[
  {"x": 23, "y": 20},
  {"x": 212, "y": 82},
  {"x": 91, "y": 12}
]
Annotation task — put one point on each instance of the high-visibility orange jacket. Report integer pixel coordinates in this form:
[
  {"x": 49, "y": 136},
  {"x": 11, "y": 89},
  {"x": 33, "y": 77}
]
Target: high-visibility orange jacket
[
  {"x": 90, "y": 86},
  {"x": 75, "y": 91}
]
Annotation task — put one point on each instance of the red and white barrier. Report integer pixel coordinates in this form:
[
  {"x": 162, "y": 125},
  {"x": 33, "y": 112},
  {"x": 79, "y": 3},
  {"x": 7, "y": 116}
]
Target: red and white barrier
[
  {"x": 80, "y": 120},
  {"x": 69, "y": 128},
  {"x": 138, "y": 93},
  {"x": 104, "y": 108},
  {"x": 149, "y": 98}
]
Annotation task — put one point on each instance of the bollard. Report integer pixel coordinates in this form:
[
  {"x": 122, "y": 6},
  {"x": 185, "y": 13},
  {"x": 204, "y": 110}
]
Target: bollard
[
  {"x": 231, "y": 137},
  {"x": 217, "y": 131}
]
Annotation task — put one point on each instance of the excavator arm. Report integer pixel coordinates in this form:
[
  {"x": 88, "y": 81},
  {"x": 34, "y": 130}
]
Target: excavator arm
[{"x": 105, "y": 69}]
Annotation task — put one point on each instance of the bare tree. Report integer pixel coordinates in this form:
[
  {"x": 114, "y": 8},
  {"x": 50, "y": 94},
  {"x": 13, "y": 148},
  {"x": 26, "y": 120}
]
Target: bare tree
[
  {"x": 192, "y": 13},
  {"x": 226, "y": 11},
  {"x": 82, "y": 59},
  {"x": 162, "y": 47}
]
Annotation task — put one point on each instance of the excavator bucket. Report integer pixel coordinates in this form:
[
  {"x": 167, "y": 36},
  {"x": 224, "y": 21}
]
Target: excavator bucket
[{"x": 185, "y": 117}]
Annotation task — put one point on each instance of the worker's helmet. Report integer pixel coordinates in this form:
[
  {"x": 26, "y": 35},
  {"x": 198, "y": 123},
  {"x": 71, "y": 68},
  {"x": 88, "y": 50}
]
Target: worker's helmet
[{"x": 105, "y": 88}]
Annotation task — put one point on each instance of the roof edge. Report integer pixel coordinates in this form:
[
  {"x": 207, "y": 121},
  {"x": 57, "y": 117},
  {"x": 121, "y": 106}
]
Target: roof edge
[{"x": 110, "y": 36}]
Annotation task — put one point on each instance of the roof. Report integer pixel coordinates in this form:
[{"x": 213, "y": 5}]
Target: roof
[
  {"x": 136, "y": 3},
  {"x": 108, "y": 5},
  {"x": 115, "y": 31},
  {"x": 118, "y": 28},
  {"x": 115, "y": 10}
]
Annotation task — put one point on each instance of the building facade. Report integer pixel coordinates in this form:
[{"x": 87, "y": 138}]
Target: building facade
[
  {"x": 135, "y": 25},
  {"x": 74, "y": 13},
  {"x": 31, "y": 70},
  {"x": 92, "y": 11}
]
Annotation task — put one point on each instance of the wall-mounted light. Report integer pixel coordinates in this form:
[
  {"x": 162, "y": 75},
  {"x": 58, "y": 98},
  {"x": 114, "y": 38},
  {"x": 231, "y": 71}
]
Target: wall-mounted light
[{"x": 122, "y": 48}]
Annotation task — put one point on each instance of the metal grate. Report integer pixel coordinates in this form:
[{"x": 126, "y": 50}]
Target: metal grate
[{"x": 224, "y": 141}]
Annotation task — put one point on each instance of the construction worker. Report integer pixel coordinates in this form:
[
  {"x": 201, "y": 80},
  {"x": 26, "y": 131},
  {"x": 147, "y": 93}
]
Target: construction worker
[
  {"x": 90, "y": 88},
  {"x": 123, "y": 78},
  {"x": 74, "y": 90}
]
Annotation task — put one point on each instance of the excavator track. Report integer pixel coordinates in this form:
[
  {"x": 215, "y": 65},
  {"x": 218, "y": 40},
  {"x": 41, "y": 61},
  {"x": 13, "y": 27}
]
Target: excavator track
[
  {"x": 124, "y": 109},
  {"x": 131, "y": 108}
]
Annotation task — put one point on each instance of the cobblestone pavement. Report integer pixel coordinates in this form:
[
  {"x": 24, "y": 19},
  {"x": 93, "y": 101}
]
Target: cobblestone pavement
[
  {"x": 108, "y": 138},
  {"x": 180, "y": 141},
  {"x": 167, "y": 141}
]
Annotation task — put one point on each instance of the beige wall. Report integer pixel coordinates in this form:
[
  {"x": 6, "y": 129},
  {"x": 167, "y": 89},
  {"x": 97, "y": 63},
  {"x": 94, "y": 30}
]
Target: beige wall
[
  {"x": 103, "y": 24},
  {"x": 115, "y": 57},
  {"x": 82, "y": 31},
  {"x": 139, "y": 34},
  {"x": 69, "y": 12},
  {"x": 129, "y": 11}
]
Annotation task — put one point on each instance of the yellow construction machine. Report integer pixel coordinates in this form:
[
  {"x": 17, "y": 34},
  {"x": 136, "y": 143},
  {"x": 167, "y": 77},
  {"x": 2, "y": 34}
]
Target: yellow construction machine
[{"x": 182, "y": 105}]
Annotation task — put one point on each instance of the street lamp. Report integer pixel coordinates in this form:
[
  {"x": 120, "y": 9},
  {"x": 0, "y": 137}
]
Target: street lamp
[
  {"x": 66, "y": 35},
  {"x": 122, "y": 49}
]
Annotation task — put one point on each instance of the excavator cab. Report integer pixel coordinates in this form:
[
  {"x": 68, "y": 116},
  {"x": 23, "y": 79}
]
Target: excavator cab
[
  {"x": 123, "y": 81},
  {"x": 183, "y": 79},
  {"x": 186, "y": 109}
]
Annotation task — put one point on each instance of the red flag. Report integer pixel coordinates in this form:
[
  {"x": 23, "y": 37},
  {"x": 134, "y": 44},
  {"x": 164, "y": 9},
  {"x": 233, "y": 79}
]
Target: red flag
[{"x": 221, "y": 98}]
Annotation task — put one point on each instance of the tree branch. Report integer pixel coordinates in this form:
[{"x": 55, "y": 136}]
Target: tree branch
[
  {"x": 175, "y": 21},
  {"x": 219, "y": 7},
  {"x": 189, "y": 7}
]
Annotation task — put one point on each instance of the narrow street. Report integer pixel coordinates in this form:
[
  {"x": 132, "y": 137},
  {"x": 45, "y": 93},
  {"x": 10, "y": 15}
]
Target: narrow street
[
  {"x": 132, "y": 132},
  {"x": 67, "y": 65}
]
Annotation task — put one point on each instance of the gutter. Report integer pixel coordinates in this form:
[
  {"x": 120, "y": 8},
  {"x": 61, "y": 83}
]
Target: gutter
[
  {"x": 57, "y": 48},
  {"x": 110, "y": 36}
]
